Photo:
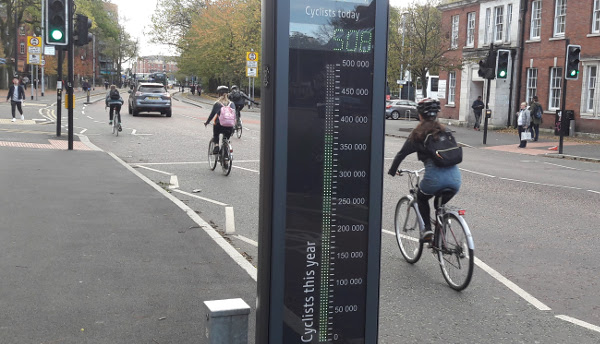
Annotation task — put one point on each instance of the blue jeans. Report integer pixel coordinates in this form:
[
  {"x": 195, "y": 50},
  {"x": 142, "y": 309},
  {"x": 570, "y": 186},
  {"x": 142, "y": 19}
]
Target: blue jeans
[{"x": 435, "y": 179}]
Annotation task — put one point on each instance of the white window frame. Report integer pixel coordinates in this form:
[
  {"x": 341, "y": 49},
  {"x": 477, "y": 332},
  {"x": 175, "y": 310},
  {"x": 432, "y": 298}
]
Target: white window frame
[
  {"x": 509, "y": 14},
  {"x": 451, "y": 88},
  {"x": 560, "y": 18},
  {"x": 471, "y": 29},
  {"x": 596, "y": 17},
  {"x": 591, "y": 90},
  {"x": 455, "y": 28},
  {"x": 554, "y": 96},
  {"x": 536, "y": 20},
  {"x": 498, "y": 23},
  {"x": 487, "y": 35},
  {"x": 532, "y": 75},
  {"x": 22, "y": 49}
]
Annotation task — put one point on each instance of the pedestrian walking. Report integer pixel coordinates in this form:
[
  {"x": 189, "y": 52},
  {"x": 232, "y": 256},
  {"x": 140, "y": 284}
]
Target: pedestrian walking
[
  {"x": 16, "y": 95},
  {"x": 25, "y": 81},
  {"x": 523, "y": 121},
  {"x": 536, "y": 111},
  {"x": 477, "y": 108}
]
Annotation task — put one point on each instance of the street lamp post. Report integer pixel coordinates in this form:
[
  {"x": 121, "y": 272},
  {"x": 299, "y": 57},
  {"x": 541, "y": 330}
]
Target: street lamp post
[{"x": 402, "y": 76}]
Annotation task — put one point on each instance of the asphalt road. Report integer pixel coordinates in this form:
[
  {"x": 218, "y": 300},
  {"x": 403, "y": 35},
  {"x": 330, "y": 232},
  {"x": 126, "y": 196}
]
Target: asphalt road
[{"x": 534, "y": 222}]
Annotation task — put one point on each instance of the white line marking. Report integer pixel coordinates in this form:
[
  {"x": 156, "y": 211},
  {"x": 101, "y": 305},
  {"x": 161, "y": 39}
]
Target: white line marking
[
  {"x": 189, "y": 162},
  {"x": 83, "y": 131},
  {"x": 230, "y": 250},
  {"x": 133, "y": 132},
  {"x": 510, "y": 285},
  {"x": 154, "y": 170},
  {"x": 174, "y": 183},
  {"x": 245, "y": 169},
  {"x": 202, "y": 198},
  {"x": 249, "y": 241},
  {"x": 579, "y": 322},
  {"x": 542, "y": 184},
  {"x": 598, "y": 192},
  {"x": 571, "y": 168},
  {"x": 479, "y": 173},
  {"x": 89, "y": 117}
]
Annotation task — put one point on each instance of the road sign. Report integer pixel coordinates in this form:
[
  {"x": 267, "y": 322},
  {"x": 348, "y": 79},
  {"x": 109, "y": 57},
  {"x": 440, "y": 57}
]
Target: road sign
[
  {"x": 251, "y": 56},
  {"x": 252, "y": 72},
  {"x": 252, "y": 64},
  {"x": 34, "y": 50},
  {"x": 49, "y": 50}
]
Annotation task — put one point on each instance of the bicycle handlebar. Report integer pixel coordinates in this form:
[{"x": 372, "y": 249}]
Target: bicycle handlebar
[{"x": 416, "y": 172}]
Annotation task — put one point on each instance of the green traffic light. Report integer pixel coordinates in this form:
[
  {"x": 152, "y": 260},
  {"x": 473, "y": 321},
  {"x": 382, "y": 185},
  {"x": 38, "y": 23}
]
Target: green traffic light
[
  {"x": 573, "y": 73},
  {"x": 57, "y": 35},
  {"x": 502, "y": 73}
]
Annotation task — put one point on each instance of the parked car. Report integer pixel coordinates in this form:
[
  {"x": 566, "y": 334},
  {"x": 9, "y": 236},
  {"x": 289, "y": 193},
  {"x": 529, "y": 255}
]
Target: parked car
[
  {"x": 149, "y": 97},
  {"x": 399, "y": 108}
]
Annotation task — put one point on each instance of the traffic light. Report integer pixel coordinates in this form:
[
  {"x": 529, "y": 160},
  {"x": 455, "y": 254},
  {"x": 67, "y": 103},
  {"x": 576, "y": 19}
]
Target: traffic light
[
  {"x": 56, "y": 22},
  {"x": 486, "y": 70},
  {"x": 572, "y": 63},
  {"x": 81, "y": 36},
  {"x": 502, "y": 64}
]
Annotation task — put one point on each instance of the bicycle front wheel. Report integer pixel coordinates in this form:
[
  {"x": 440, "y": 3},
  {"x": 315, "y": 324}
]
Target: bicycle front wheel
[
  {"x": 406, "y": 224},
  {"x": 238, "y": 129},
  {"x": 456, "y": 256},
  {"x": 226, "y": 158},
  {"x": 212, "y": 158}
]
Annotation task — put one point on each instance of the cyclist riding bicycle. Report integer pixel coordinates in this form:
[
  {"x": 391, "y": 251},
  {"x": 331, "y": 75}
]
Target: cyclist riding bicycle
[
  {"x": 114, "y": 102},
  {"x": 223, "y": 100},
  {"x": 239, "y": 99},
  {"x": 436, "y": 178}
]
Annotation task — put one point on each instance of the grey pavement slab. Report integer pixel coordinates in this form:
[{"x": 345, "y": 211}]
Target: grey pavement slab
[{"x": 89, "y": 253}]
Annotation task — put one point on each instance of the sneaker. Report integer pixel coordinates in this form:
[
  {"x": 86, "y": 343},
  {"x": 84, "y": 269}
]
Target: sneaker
[
  {"x": 22, "y": 118},
  {"x": 109, "y": 122},
  {"x": 120, "y": 128},
  {"x": 426, "y": 235},
  {"x": 216, "y": 150},
  {"x": 13, "y": 119}
]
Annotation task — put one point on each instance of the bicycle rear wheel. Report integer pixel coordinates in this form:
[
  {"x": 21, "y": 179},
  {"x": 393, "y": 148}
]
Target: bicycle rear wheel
[
  {"x": 226, "y": 158},
  {"x": 406, "y": 224},
  {"x": 212, "y": 158},
  {"x": 115, "y": 128},
  {"x": 456, "y": 258},
  {"x": 238, "y": 128}
]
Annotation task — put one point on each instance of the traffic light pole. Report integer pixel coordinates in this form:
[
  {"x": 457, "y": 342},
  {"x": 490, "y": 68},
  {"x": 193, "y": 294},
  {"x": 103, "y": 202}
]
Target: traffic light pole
[
  {"x": 70, "y": 72},
  {"x": 59, "y": 71},
  {"x": 487, "y": 106},
  {"x": 564, "y": 121}
]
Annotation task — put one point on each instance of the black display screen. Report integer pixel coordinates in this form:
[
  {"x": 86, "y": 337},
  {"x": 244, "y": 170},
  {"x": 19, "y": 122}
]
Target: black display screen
[{"x": 330, "y": 101}]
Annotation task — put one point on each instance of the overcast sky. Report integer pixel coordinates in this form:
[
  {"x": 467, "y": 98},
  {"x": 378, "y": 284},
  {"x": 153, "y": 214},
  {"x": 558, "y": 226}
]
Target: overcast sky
[{"x": 138, "y": 15}]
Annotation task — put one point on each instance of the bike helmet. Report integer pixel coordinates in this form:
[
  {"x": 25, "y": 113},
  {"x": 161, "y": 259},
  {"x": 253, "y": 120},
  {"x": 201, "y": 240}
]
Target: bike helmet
[
  {"x": 234, "y": 87},
  {"x": 222, "y": 89},
  {"x": 428, "y": 108}
]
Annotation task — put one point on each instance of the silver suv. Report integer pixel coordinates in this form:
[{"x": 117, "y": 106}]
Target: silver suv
[{"x": 149, "y": 97}]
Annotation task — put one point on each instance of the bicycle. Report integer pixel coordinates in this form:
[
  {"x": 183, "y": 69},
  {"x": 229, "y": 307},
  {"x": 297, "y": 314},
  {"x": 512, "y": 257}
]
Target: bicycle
[
  {"x": 452, "y": 242},
  {"x": 238, "y": 126},
  {"x": 225, "y": 156},
  {"x": 116, "y": 127}
]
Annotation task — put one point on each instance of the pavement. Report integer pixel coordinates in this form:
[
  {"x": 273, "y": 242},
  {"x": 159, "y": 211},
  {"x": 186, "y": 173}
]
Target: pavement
[{"x": 91, "y": 250}]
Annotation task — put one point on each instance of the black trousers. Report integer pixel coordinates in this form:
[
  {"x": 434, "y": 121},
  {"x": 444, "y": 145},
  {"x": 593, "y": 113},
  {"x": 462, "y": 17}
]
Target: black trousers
[
  {"x": 218, "y": 129},
  {"x": 424, "y": 209},
  {"x": 14, "y": 104},
  {"x": 114, "y": 107}
]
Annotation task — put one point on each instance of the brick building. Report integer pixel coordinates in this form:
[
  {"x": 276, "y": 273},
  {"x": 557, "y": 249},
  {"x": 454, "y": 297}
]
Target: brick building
[{"x": 537, "y": 58}]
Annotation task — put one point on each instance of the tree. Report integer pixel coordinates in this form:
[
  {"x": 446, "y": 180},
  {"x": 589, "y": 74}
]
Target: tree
[
  {"x": 424, "y": 45},
  {"x": 13, "y": 13},
  {"x": 172, "y": 20}
]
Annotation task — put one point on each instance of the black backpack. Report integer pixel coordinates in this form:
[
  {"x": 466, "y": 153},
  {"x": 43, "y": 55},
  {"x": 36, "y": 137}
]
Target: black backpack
[
  {"x": 115, "y": 95},
  {"x": 235, "y": 96},
  {"x": 444, "y": 150},
  {"x": 538, "y": 112}
]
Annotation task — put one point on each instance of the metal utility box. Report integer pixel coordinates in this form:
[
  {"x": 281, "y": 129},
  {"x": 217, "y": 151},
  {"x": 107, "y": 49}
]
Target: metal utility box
[{"x": 226, "y": 321}]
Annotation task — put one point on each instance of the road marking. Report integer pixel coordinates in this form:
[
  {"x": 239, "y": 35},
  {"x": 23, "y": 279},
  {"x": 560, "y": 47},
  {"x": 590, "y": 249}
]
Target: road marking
[
  {"x": 174, "y": 183},
  {"x": 245, "y": 169},
  {"x": 83, "y": 131},
  {"x": 229, "y": 220},
  {"x": 571, "y": 168},
  {"x": 190, "y": 162},
  {"x": 479, "y": 173},
  {"x": 154, "y": 170},
  {"x": 249, "y": 241},
  {"x": 89, "y": 117},
  {"x": 542, "y": 184},
  {"x": 579, "y": 322},
  {"x": 598, "y": 192},
  {"x": 134, "y": 133},
  {"x": 202, "y": 198}
]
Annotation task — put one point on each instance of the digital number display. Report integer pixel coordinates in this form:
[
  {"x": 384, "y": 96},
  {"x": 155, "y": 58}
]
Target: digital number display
[{"x": 330, "y": 100}]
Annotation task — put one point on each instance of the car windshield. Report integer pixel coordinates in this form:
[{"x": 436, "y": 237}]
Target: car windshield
[{"x": 152, "y": 89}]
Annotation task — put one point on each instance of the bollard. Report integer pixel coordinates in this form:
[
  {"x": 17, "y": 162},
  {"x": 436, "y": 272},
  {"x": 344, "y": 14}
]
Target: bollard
[{"x": 227, "y": 321}]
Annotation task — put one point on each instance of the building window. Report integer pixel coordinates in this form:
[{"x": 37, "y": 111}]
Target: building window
[
  {"x": 22, "y": 30},
  {"x": 498, "y": 23},
  {"x": 596, "y": 21},
  {"x": 509, "y": 9},
  {"x": 451, "y": 87},
  {"x": 560, "y": 17},
  {"x": 454, "y": 39},
  {"x": 487, "y": 36},
  {"x": 536, "y": 19},
  {"x": 532, "y": 74},
  {"x": 471, "y": 29},
  {"x": 555, "y": 88},
  {"x": 591, "y": 89},
  {"x": 22, "y": 50}
]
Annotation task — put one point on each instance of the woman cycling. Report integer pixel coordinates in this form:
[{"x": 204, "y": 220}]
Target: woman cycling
[
  {"x": 435, "y": 178},
  {"x": 216, "y": 111}
]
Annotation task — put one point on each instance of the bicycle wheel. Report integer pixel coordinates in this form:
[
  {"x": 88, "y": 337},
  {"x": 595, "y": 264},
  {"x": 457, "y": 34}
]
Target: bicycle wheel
[
  {"x": 456, "y": 257},
  {"x": 406, "y": 224},
  {"x": 226, "y": 158},
  {"x": 212, "y": 158},
  {"x": 238, "y": 128},
  {"x": 115, "y": 125}
]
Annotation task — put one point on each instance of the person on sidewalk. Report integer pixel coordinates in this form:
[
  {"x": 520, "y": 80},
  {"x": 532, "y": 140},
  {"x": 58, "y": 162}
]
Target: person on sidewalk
[
  {"x": 16, "y": 94},
  {"x": 477, "y": 108},
  {"x": 534, "y": 126},
  {"x": 523, "y": 121}
]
